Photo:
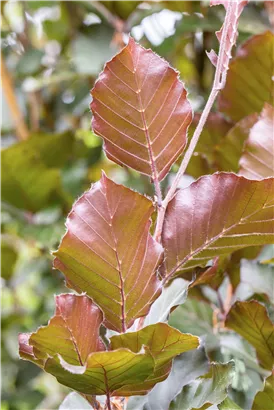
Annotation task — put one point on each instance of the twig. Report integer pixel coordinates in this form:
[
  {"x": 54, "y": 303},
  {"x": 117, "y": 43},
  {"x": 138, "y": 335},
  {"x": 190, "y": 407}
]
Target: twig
[
  {"x": 8, "y": 88},
  {"x": 218, "y": 84}
]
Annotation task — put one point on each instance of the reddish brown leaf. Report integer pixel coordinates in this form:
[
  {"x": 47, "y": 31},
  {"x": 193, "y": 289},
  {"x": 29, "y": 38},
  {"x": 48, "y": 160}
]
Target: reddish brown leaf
[
  {"x": 141, "y": 111},
  {"x": 214, "y": 216},
  {"x": 257, "y": 161},
  {"x": 109, "y": 253},
  {"x": 232, "y": 33}
]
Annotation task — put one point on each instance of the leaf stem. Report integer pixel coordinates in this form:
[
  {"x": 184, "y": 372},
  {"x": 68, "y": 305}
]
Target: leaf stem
[
  {"x": 218, "y": 84},
  {"x": 108, "y": 402}
]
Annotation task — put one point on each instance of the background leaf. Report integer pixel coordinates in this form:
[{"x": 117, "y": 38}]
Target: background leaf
[
  {"x": 265, "y": 398},
  {"x": 109, "y": 253},
  {"x": 250, "y": 320},
  {"x": 141, "y": 111}
]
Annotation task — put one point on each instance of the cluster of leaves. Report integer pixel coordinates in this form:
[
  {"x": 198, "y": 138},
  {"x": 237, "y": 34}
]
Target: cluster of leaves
[{"x": 108, "y": 251}]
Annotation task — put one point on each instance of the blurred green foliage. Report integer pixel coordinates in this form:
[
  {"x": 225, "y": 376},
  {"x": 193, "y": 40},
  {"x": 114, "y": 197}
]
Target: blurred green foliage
[{"x": 54, "y": 51}]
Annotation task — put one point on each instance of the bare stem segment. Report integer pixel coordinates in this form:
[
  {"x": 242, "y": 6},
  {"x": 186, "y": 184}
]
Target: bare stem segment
[{"x": 218, "y": 84}]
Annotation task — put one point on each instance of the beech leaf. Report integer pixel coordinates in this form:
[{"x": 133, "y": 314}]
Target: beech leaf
[
  {"x": 163, "y": 342},
  {"x": 109, "y": 253},
  {"x": 245, "y": 91},
  {"x": 265, "y": 399},
  {"x": 251, "y": 321},
  {"x": 232, "y": 33},
  {"x": 257, "y": 161},
  {"x": 73, "y": 332},
  {"x": 141, "y": 111},
  {"x": 214, "y": 216}
]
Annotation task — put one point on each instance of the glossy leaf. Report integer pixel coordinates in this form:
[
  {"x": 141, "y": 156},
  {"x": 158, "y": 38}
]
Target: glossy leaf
[
  {"x": 208, "y": 389},
  {"x": 141, "y": 111},
  {"x": 109, "y": 253},
  {"x": 249, "y": 80},
  {"x": 163, "y": 342},
  {"x": 257, "y": 161},
  {"x": 214, "y": 216},
  {"x": 232, "y": 32},
  {"x": 251, "y": 321},
  {"x": 73, "y": 332},
  {"x": 265, "y": 399}
]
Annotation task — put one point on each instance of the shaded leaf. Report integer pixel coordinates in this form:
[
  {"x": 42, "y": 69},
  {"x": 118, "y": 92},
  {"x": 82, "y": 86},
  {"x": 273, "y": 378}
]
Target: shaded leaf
[
  {"x": 228, "y": 152},
  {"x": 245, "y": 91},
  {"x": 257, "y": 161},
  {"x": 8, "y": 259},
  {"x": 265, "y": 398},
  {"x": 232, "y": 32},
  {"x": 163, "y": 342},
  {"x": 30, "y": 172},
  {"x": 251, "y": 321},
  {"x": 109, "y": 253},
  {"x": 141, "y": 111},
  {"x": 208, "y": 389},
  {"x": 228, "y": 404},
  {"x": 172, "y": 295},
  {"x": 214, "y": 216}
]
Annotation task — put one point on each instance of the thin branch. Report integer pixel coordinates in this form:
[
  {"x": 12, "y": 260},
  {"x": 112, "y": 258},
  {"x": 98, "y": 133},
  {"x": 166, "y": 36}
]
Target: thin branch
[
  {"x": 22, "y": 131},
  {"x": 218, "y": 84}
]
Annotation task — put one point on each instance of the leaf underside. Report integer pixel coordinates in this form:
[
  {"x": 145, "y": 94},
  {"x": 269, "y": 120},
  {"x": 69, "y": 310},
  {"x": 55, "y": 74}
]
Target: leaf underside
[
  {"x": 214, "y": 216},
  {"x": 141, "y": 111},
  {"x": 109, "y": 253},
  {"x": 251, "y": 321}
]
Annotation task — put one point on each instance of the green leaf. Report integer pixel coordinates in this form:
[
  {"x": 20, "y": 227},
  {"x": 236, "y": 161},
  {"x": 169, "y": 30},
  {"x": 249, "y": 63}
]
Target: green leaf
[
  {"x": 251, "y": 321},
  {"x": 257, "y": 161},
  {"x": 245, "y": 92},
  {"x": 30, "y": 173},
  {"x": 172, "y": 295},
  {"x": 228, "y": 404},
  {"x": 206, "y": 390},
  {"x": 141, "y": 111},
  {"x": 163, "y": 342},
  {"x": 193, "y": 317},
  {"x": 8, "y": 259},
  {"x": 218, "y": 215},
  {"x": 123, "y": 10},
  {"x": 109, "y": 253},
  {"x": 74, "y": 401},
  {"x": 265, "y": 399}
]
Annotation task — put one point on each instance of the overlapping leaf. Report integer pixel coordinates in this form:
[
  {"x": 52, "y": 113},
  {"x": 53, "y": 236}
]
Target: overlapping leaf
[
  {"x": 214, "y": 216},
  {"x": 163, "y": 342},
  {"x": 250, "y": 320},
  {"x": 249, "y": 81},
  {"x": 257, "y": 161},
  {"x": 141, "y": 111},
  {"x": 206, "y": 390},
  {"x": 109, "y": 253},
  {"x": 265, "y": 399},
  {"x": 232, "y": 32}
]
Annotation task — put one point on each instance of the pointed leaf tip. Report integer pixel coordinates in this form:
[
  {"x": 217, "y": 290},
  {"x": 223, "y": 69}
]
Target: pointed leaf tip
[
  {"x": 109, "y": 253},
  {"x": 140, "y": 109}
]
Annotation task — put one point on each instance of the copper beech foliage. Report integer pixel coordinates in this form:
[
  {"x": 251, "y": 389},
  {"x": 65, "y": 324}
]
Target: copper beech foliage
[{"x": 108, "y": 254}]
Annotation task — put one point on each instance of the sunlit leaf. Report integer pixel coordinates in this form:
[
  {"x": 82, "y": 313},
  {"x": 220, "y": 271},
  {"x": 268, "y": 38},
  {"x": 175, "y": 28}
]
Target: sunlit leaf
[
  {"x": 257, "y": 161},
  {"x": 109, "y": 253},
  {"x": 141, "y": 111},
  {"x": 265, "y": 398},
  {"x": 251, "y": 321},
  {"x": 249, "y": 81},
  {"x": 208, "y": 389},
  {"x": 214, "y": 216},
  {"x": 163, "y": 342}
]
